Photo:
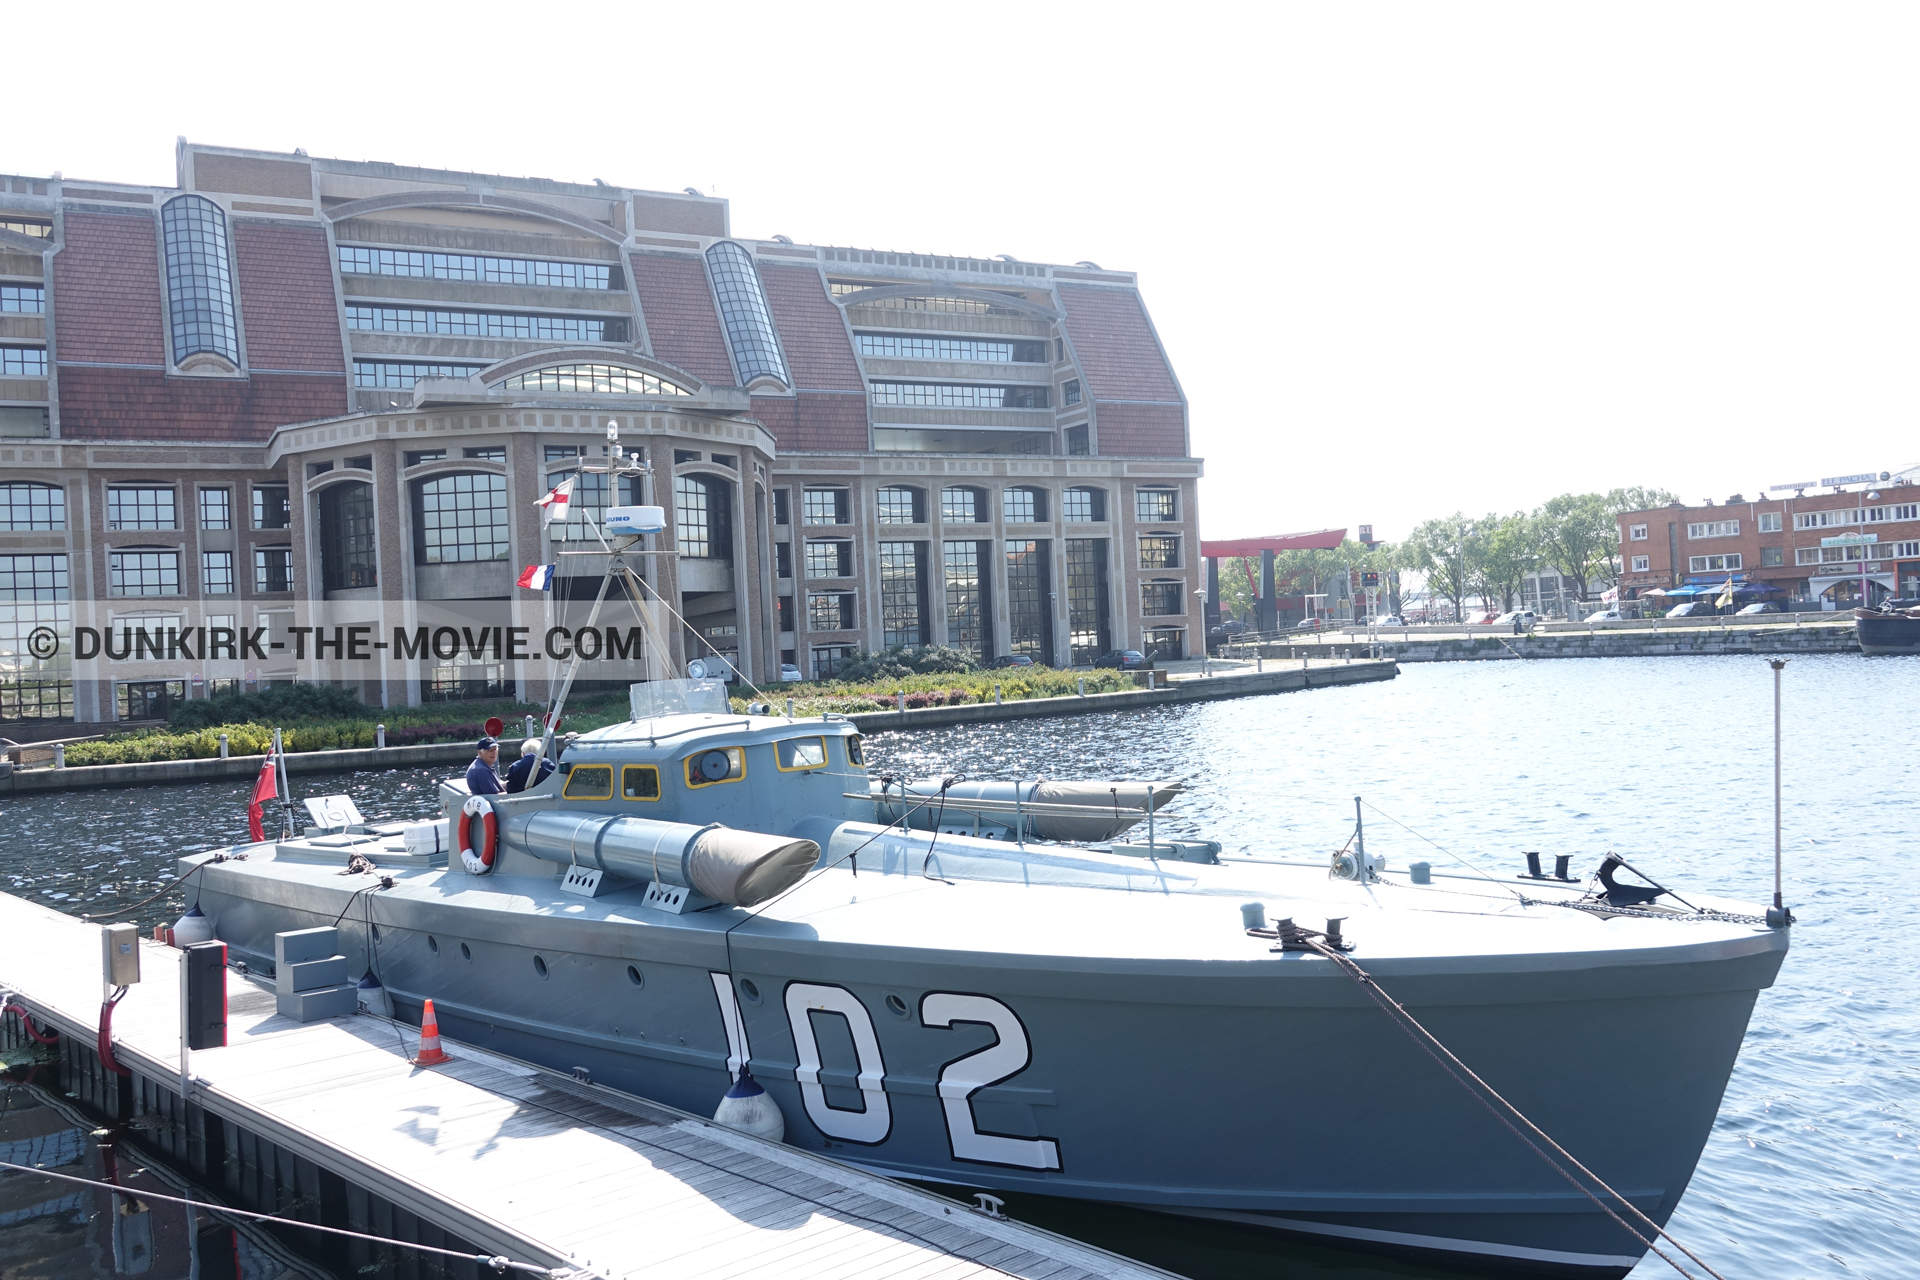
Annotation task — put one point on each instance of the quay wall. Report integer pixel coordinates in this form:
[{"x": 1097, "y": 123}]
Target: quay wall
[
  {"x": 1498, "y": 647},
  {"x": 1321, "y": 670}
]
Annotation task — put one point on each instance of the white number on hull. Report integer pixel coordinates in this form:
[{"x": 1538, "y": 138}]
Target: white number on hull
[
  {"x": 960, "y": 1079},
  {"x": 869, "y": 1126}
]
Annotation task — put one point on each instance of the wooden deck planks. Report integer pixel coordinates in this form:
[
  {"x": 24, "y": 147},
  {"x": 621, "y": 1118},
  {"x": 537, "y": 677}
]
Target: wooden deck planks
[{"x": 527, "y": 1161}]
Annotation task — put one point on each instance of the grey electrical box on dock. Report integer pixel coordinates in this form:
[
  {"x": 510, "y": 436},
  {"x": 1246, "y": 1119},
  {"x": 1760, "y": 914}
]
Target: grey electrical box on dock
[{"x": 120, "y": 954}]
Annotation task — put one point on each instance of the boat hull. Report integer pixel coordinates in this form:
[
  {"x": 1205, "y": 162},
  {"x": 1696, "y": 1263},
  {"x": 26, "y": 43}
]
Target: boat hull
[
  {"x": 1269, "y": 1093},
  {"x": 1881, "y": 633}
]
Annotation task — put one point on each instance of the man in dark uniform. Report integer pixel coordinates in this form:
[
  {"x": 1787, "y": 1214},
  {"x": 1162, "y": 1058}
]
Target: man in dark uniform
[
  {"x": 521, "y": 775},
  {"x": 482, "y": 777}
]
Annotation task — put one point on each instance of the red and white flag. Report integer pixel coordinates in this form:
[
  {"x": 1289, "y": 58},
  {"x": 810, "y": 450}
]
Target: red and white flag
[
  {"x": 263, "y": 791},
  {"x": 556, "y": 501},
  {"x": 537, "y": 576}
]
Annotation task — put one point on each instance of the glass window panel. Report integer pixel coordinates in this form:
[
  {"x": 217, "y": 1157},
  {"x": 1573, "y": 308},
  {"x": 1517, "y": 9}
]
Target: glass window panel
[
  {"x": 486, "y": 324},
  {"x": 270, "y": 507},
  {"x": 199, "y": 279},
  {"x": 1154, "y": 504},
  {"x": 899, "y": 504},
  {"x": 829, "y": 558},
  {"x": 216, "y": 572},
  {"x": 1161, "y": 599},
  {"x": 417, "y": 456},
  {"x": 347, "y": 558},
  {"x": 35, "y": 592},
  {"x": 140, "y": 508},
  {"x": 830, "y": 611},
  {"x": 962, "y": 506},
  {"x": 593, "y": 380},
  {"x": 940, "y": 395},
  {"x": 402, "y": 374},
  {"x": 1087, "y": 593},
  {"x": 1082, "y": 505},
  {"x": 23, "y": 362},
  {"x": 216, "y": 508},
  {"x": 966, "y": 597},
  {"x": 1164, "y": 644},
  {"x": 358, "y": 261},
  {"x": 26, "y": 507},
  {"x": 23, "y": 299},
  {"x": 1029, "y": 621},
  {"x": 272, "y": 569},
  {"x": 1023, "y": 505},
  {"x": 903, "y": 594},
  {"x": 460, "y": 518},
  {"x": 824, "y": 506},
  {"x": 701, "y": 517},
  {"x": 143, "y": 573},
  {"x": 1159, "y": 551},
  {"x": 902, "y": 346},
  {"x": 744, "y": 311},
  {"x": 828, "y": 659}
]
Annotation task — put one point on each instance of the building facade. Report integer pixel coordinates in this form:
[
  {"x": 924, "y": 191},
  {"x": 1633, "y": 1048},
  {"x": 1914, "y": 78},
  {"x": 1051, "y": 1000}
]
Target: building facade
[
  {"x": 1813, "y": 546},
  {"x": 287, "y": 380}
]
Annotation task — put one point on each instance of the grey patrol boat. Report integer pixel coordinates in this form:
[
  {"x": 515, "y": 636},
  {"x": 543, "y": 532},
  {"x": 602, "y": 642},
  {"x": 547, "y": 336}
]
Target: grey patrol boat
[{"x": 931, "y": 981}]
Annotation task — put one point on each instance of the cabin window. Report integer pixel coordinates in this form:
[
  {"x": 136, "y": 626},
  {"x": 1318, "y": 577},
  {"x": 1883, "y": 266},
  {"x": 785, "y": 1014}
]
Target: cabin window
[
  {"x": 590, "y": 782},
  {"x": 800, "y": 753},
  {"x": 640, "y": 782},
  {"x": 722, "y": 764},
  {"x": 854, "y": 757}
]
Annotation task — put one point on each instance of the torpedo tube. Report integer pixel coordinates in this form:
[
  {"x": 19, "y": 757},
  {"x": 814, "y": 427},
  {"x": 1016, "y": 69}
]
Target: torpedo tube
[{"x": 751, "y": 1109}]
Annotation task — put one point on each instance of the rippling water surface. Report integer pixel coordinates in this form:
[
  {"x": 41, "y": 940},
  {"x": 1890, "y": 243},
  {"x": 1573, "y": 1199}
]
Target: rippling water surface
[{"x": 1814, "y": 1166}]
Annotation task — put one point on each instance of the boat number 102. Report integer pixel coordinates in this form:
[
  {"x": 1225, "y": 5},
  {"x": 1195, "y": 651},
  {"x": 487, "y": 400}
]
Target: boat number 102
[{"x": 960, "y": 1079}]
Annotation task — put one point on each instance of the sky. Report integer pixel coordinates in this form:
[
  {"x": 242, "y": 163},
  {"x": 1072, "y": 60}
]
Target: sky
[{"x": 1407, "y": 259}]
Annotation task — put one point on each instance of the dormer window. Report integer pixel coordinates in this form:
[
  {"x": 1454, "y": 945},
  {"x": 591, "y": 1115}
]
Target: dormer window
[{"x": 200, "y": 286}]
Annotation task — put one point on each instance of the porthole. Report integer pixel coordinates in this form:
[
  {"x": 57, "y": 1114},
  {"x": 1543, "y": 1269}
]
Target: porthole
[
  {"x": 376, "y": 932},
  {"x": 540, "y": 966},
  {"x": 748, "y": 990},
  {"x": 433, "y": 944},
  {"x": 634, "y": 976},
  {"x": 466, "y": 953},
  {"x": 896, "y": 1006}
]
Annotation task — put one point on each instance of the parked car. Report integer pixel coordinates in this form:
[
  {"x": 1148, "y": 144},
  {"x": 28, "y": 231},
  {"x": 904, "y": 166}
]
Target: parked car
[
  {"x": 1760, "y": 606},
  {"x": 790, "y": 673},
  {"x": 1604, "y": 615},
  {"x": 1310, "y": 624},
  {"x": 1525, "y": 617},
  {"x": 1693, "y": 609},
  {"x": 1482, "y": 619},
  {"x": 1124, "y": 659},
  {"x": 1014, "y": 660}
]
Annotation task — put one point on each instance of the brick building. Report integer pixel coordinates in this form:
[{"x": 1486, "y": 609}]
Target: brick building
[
  {"x": 1778, "y": 541},
  {"x": 292, "y": 379}
]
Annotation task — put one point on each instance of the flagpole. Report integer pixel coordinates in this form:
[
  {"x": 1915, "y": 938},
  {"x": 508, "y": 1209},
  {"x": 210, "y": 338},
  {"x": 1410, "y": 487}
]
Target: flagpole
[{"x": 286, "y": 792}]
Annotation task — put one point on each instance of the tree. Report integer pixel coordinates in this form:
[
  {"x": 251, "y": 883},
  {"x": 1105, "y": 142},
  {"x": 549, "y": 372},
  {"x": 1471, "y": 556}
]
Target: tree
[
  {"x": 1508, "y": 553},
  {"x": 1578, "y": 537},
  {"x": 1448, "y": 551}
]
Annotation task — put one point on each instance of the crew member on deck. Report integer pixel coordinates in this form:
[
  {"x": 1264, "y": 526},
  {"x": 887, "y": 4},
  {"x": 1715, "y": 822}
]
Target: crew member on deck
[
  {"x": 482, "y": 780},
  {"x": 521, "y": 775}
]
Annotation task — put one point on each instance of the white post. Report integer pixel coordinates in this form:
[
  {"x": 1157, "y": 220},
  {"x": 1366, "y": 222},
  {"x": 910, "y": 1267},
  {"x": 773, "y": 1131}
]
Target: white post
[
  {"x": 900, "y": 699},
  {"x": 1778, "y": 913},
  {"x": 1082, "y": 682},
  {"x": 789, "y": 708},
  {"x": 60, "y": 753},
  {"x": 379, "y": 736},
  {"x": 180, "y": 966},
  {"x": 996, "y": 695},
  {"x": 223, "y": 746}
]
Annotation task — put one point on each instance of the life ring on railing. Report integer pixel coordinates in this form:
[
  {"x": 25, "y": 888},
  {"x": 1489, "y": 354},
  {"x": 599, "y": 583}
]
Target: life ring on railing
[{"x": 478, "y": 855}]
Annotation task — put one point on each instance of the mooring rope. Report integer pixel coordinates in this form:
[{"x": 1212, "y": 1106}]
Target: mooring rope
[{"x": 1482, "y": 1091}]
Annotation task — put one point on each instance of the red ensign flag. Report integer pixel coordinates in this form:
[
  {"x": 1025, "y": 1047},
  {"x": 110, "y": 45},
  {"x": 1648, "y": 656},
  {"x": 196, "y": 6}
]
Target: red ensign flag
[{"x": 263, "y": 790}]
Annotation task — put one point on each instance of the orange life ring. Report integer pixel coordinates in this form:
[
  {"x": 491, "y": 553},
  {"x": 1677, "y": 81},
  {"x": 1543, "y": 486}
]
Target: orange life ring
[{"x": 479, "y": 861}]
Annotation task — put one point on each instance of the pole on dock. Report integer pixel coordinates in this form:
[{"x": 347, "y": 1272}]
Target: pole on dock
[
  {"x": 1778, "y": 915},
  {"x": 223, "y": 746},
  {"x": 286, "y": 792},
  {"x": 380, "y": 736}
]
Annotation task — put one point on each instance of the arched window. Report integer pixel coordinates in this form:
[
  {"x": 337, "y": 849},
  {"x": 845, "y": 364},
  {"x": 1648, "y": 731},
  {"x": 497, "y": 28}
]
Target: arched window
[
  {"x": 964, "y": 504},
  {"x": 593, "y": 380},
  {"x": 347, "y": 558},
  {"x": 1083, "y": 504},
  {"x": 460, "y": 518},
  {"x": 1023, "y": 504},
  {"x": 199, "y": 280},
  {"x": 901, "y": 504},
  {"x": 702, "y": 520},
  {"x": 28, "y": 507},
  {"x": 744, "y": 310}
]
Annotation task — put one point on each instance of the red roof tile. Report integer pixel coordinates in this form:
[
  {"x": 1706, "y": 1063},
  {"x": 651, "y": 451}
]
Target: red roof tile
[
  {"x": 1141, "y": 430},
  {"x": 286, "y": 298},
  {"x": 825, "y": 422},
  {"x": 681, "y": 323},
  {"x": 811, "y": 329},
  {"x": 142, "y": 404},
  {"x": 106, "y": 291},
  {"x": 1119, "y": 356}
]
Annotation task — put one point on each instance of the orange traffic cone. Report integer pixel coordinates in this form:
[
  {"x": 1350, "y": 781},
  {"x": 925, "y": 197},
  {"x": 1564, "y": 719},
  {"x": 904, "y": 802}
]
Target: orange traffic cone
[{"x": 431, "y": 1054}]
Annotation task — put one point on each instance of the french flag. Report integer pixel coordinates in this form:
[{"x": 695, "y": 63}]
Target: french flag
[
  {"x": 556, "y": 501},
  {"x": 537, "y": 576}
]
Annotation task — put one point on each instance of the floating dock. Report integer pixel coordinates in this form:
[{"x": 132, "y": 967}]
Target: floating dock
[{"x": 328, "y": 1122}]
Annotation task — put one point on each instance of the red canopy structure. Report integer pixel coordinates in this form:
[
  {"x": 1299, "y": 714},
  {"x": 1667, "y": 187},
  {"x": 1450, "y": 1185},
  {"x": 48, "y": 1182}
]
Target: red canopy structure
[{"x": 1317, "y": 540}]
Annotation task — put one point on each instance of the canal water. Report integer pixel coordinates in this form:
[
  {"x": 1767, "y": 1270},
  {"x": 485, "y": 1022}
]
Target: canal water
[{"x": 1814, "y": 1167}]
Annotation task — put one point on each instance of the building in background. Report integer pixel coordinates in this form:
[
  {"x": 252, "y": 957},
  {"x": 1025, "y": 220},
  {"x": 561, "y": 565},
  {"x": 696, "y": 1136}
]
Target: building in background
[
  {"x": 294, "y": 379},
  {"x": 1812, "y": 546}
]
